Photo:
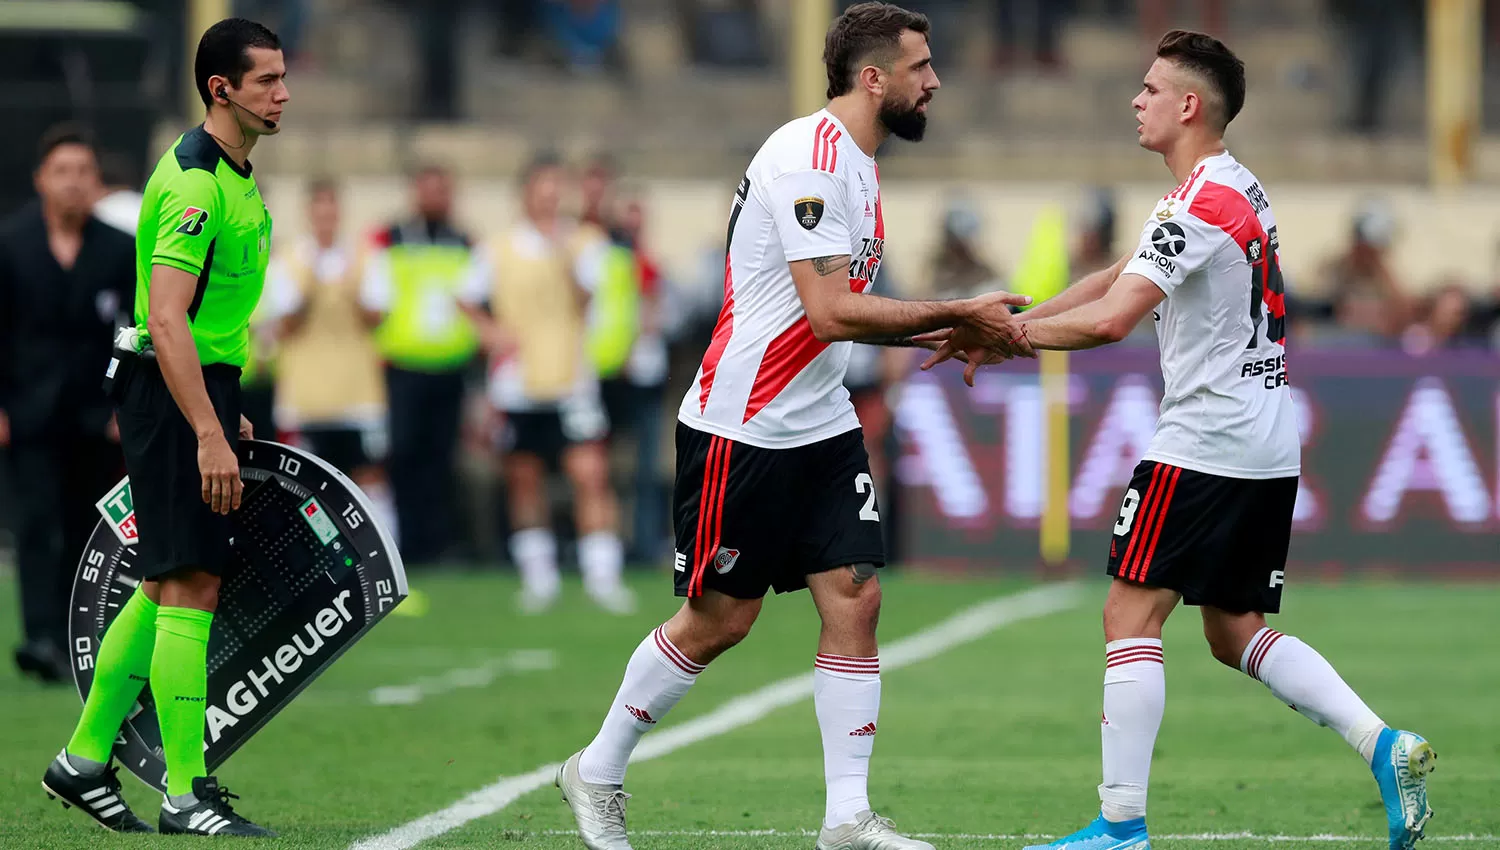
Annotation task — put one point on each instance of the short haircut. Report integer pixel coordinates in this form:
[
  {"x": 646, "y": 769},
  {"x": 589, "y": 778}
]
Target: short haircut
[
  {"x": 59, "y": 135},
  {"x": 224, "y": 51},
  {"x": 866, "y": 34},
  {"x": 542, "y": 161},
  {"x": 1208, "y": 58}
]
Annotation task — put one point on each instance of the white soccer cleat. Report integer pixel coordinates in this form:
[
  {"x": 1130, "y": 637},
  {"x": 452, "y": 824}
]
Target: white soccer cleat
[
  {"x": 598, "y": 809},
  {"x": 614, "y": 598},
  {"x": 868, "y": 832},
  {"x": 533, "y": 600}
]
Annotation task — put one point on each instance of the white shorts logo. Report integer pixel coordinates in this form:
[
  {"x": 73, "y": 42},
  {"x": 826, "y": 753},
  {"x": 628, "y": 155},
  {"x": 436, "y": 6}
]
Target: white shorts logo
[
  {"x": 1278, "y": 578},
  {"x": 679, "y": 562}
]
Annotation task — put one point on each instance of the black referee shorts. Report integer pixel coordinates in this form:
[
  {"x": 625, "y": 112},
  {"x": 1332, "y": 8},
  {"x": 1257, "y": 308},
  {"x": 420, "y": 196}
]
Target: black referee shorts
[{"x": 177, "y": 529}]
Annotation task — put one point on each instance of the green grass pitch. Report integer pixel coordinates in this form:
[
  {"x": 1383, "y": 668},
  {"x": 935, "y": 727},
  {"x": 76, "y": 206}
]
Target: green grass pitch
[{"x": 998, "y": 737}]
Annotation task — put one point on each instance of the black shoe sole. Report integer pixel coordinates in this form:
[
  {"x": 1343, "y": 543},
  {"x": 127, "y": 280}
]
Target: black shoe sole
[{"x": 53, "y": 795}]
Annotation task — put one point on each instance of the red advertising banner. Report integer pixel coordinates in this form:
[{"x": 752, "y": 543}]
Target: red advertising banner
[{"x": 1400, "y": 460}]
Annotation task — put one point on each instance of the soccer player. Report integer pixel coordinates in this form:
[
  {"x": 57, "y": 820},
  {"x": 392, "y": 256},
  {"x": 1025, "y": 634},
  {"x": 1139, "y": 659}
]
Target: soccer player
[
  {"x": 1208, "y": 515},
  {"x": 201, "y": 254},
  {"x": 546, "y": 269},
  {"x": 773, "y": 486}
]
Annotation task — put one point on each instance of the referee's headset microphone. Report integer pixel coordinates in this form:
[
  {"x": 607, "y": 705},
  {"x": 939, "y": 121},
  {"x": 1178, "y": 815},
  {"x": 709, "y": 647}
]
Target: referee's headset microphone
[{"x": 223, "y": 94}]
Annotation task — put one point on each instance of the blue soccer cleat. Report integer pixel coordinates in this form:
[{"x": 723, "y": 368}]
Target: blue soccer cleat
[
  {"x": 1103, "y": 835},
  {"x": 1401, "y": 764}
]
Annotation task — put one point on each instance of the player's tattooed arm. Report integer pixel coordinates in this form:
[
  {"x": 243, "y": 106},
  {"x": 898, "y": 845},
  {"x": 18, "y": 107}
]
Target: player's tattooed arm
[
  {"x": 826, "y": 266},
  {"x": 836, "y": 313}
]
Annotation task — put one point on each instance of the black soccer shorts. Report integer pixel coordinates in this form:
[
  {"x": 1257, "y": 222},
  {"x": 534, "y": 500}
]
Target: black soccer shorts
[
  {"x": 177, "y": 528},
  {"x": 749, "y": 519},
  {"x": 1218, "y": 541}
]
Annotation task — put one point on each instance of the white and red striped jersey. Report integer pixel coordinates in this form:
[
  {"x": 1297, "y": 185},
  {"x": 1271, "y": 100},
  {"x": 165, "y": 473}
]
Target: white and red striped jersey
[
  {"x": 1211, "y": 245},
  {"x": 765, "y": 380}
]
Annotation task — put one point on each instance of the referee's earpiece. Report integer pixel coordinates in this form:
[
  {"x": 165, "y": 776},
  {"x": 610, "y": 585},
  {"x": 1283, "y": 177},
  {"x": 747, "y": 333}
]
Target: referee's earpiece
[{"x": 223, "y": 94}]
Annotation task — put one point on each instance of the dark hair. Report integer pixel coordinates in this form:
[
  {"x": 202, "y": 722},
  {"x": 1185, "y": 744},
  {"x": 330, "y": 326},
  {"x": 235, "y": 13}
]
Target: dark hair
[
  {"x": 542, "y": 161},
  {"x": 224, "y": 51},
  {"x": 117, "y": 168},
  {"x": 866, "y": 31},
  {"x": 58, "y": 135},
  {"x": 1207, "y": 57}
]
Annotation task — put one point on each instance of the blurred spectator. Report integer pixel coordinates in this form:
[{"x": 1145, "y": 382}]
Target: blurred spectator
[
  {"x": 958, "y": 270},
  {"x": 1449, "y": 321},
  {"x": 66, "y": 280},
  {"x": 518, "y": 21},
  {"x": 1376, "y": 32},
  {"x": 596, "y": 187},
  {"x": 640, "y": 392},
  {"x": 1094, "y": 247},
  {"x": 329, "y": 390},
  {"x": 1366, "y": 299},
  {"x": 1027, "y": 30},
  {"x": 119, "y": 203},
  {"x": 586, "y": 32},
  {"x": 726, "y": 33},
  {"x": 546, "y": 270},
  {"x": 413, "y": 279}
]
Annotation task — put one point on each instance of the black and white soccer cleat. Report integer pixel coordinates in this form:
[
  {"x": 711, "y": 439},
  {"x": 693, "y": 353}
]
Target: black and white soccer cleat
[
  {"x": 97, "y": 795},
  {"x": 210, "y": 815}
]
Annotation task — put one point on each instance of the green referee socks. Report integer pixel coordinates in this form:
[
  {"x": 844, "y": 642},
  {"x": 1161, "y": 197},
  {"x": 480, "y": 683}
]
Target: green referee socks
[
  {"x": 123, "y": 663},
  {"x": 179, "y": 681}
]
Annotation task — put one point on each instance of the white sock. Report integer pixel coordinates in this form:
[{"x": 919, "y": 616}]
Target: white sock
[
  {"x": 846, "y": 697},
  {"x": 1135, "y": 695},
  {"x": 1302, "y": 679},
  {"x": 601, "y": 559},
  {"x": 535, "y": 553},
  {"x": 657, "y": 676}
]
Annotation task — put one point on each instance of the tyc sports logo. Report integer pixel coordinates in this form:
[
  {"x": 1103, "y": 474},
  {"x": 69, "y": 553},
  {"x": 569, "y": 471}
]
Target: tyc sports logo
[
  {"x": 192, "y": 221},
  {"x": 118, "y": 509}
]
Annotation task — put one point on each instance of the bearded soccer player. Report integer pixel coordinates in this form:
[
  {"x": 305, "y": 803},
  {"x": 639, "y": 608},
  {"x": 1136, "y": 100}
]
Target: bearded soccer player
[
  {"x": 773, "y": 485},
  {"x": 201, "y": 255},
  {"x": 1207, "y": 518}
]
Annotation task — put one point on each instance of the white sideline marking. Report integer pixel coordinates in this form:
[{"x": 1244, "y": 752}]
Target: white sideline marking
[
  {"x": 478, "y": 676},
  {"x": 963, "y": 627},
  {"x": 994, "y": 836}
]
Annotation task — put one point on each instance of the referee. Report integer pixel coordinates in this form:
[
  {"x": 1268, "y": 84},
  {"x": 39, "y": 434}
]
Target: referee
[{"x": 201, "y": 254}]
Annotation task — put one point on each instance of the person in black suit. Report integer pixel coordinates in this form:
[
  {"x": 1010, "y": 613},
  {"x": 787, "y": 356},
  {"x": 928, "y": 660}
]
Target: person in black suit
[{"x": 65, "y": 279}]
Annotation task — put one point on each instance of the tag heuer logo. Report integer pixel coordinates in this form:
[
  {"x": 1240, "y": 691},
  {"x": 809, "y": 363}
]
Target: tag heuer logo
[
  {"x": 118, "y": 509},
  {"x": 809, "y": 212},
  {"x": 724, "y": 561},
  {"x": 193, "y": 220}
]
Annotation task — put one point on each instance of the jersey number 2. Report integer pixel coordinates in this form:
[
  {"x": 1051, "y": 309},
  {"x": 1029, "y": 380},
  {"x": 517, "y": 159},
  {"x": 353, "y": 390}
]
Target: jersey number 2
[{"x": 863, "y": 484}]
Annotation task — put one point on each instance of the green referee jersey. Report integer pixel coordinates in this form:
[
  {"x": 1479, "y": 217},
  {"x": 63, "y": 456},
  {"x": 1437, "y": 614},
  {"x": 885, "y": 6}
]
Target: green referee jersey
[{"x": 203, "y": 214}]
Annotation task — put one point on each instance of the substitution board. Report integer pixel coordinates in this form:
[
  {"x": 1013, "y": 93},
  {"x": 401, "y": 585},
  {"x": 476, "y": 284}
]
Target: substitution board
[{"x": 311, "y": 571}]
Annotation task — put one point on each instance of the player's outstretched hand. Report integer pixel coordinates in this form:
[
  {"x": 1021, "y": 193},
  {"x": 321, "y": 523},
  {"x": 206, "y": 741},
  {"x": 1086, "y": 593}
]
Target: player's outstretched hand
[
  {"x": 247, "y": 431},
  {"x": 220, "y": 471}
]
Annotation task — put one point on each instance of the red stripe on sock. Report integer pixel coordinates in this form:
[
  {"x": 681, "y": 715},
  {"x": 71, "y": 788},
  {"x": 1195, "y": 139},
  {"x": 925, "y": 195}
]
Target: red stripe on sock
[
  {"x": 849, "y": 659},
  {"x": 675, "y": 655},
  {"x": 840, "y": 668},
  {"x": 1151, "y": 657},
  {"x": 1264, "y": 646}
]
